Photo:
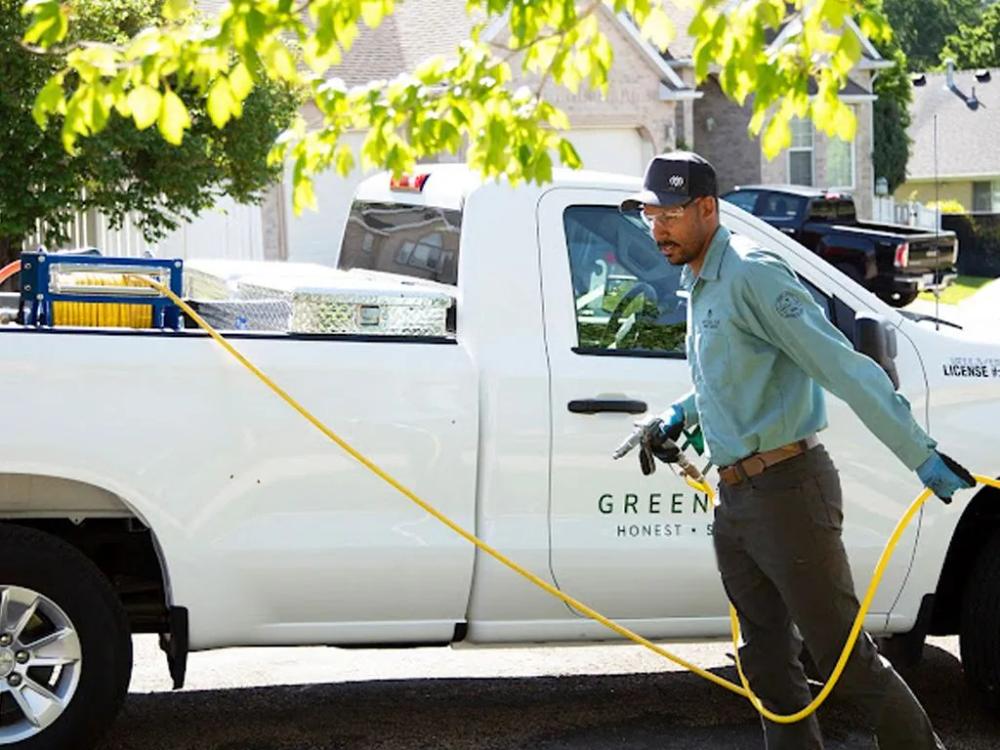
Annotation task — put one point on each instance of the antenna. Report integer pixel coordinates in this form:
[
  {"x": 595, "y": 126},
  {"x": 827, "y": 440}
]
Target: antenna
[{"x": 937, "y": 229}]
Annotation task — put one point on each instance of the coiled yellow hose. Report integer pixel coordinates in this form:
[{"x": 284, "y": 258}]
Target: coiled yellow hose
[
  {"x": 742, "y": 689},
  {"x": 102, "y": 314}
]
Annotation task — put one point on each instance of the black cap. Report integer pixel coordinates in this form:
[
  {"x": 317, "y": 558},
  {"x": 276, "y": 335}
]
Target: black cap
[{"x": 673, "y": 178}]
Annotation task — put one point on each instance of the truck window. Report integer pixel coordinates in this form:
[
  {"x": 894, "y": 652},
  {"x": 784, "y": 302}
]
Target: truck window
[
  {"x": 419, "y": 241},
  {"x": 832, "y": 209},
  {"x": 624, "y": 290},
  {"x": 780, "y": 206},
  {"x": 745, "y": 199}
]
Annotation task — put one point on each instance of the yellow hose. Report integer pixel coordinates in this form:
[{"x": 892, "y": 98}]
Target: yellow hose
[
  {"x": 102, "y": 314},
  {"x": 742, "y": 689}
]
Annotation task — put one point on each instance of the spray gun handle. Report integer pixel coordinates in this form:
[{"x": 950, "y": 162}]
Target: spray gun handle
[{"x": 642, "y": 429}]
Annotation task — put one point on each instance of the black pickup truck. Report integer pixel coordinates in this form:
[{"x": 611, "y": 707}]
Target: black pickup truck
[{"x": 894, "y": 261}]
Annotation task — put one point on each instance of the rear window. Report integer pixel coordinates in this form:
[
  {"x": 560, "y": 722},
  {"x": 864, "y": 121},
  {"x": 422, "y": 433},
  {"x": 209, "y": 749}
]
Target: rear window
[
  {"x": 831, "y": 209},
  {"x": 780, "y": 206},
  {"x": 418, "y": 241}
]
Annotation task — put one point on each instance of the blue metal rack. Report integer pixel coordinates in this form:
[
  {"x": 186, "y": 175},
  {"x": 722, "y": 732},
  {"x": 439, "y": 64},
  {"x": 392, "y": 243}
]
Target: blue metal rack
[{"x": 40, "y": 286}]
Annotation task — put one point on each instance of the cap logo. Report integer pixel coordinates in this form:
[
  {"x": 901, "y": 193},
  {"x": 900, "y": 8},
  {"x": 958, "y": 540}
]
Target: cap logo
[{"x": 676, "y": 181}]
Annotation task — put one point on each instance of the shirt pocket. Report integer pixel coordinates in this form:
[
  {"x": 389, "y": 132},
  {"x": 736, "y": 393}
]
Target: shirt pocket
[{"x": 714, "y": 358}]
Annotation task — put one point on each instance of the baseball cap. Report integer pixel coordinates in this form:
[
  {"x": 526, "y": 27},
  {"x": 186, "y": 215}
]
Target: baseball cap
[{"x": 673, "y": 178}]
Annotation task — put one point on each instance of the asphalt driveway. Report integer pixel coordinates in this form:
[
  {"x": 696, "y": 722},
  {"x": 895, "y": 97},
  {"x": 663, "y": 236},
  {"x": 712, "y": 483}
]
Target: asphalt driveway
[{"x": 580, "y": 698}]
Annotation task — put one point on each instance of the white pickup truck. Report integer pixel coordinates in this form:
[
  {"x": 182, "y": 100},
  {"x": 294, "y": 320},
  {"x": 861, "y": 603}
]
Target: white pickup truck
[{"x": 149, "y": 484}]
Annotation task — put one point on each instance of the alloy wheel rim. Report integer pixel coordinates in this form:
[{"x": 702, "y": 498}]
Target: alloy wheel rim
[{"x": 40, "y": 661}]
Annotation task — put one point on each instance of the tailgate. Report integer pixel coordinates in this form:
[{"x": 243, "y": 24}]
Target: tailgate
[{"x": 930, "y": 252}]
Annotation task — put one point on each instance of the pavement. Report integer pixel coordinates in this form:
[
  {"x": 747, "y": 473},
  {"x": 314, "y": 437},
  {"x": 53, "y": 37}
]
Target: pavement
[{"x": 571, "y": 698}]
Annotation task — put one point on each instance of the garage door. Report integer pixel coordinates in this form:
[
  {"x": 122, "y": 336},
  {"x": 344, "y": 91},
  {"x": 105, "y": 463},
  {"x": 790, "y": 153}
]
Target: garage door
[{"x": 620, "y": 150}]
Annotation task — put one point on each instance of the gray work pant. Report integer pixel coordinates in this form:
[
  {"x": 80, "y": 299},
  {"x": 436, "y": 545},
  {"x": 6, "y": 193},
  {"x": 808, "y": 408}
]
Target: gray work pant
[{"x": 778, "y": 547}]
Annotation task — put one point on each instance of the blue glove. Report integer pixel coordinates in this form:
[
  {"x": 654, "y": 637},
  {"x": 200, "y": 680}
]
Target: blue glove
[
  {"x": 670, "y": 426},
  {"x": 944, "y": 476}
]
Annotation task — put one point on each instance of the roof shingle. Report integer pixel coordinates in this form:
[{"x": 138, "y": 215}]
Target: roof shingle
[{"x": 967, "y": 139}]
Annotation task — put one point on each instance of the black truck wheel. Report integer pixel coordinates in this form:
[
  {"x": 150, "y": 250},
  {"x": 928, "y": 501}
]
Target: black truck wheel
[
  {"x": 898, "y": 299},
  {"x": 979, "y": 634},
  {"x": 65, "y": 646}
]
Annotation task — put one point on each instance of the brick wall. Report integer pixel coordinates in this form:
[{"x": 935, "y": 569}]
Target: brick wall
[{"x": 721, "y": 137}]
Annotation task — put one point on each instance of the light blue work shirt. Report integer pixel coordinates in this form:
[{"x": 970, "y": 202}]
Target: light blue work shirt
[{"x": 760, "y": 349}]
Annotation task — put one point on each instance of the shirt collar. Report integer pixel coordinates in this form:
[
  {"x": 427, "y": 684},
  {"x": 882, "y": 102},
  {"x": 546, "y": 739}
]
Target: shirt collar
[{"x": 713, "y": 260}]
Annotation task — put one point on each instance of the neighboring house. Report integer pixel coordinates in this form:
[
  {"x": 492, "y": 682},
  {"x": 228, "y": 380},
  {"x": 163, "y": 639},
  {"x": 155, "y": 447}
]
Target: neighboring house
[
  {"x": 963, "y": 121},
  {"x": 716, "y": 127},
  {"x": 618, "y": 133},
  {"x": 652, "y": 105}
]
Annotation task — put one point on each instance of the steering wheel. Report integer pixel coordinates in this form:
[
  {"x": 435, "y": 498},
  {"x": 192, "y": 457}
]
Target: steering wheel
[{"x": 615, "y": 331}]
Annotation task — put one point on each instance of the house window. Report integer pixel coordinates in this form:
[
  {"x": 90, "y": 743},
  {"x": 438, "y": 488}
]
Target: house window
[
  {"x": 986, "y": 197},
  {"x": 840, "y": 163},
  {"x": 800, "y": 153}
]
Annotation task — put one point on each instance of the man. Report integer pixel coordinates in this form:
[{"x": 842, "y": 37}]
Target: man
[{"x": 760, "y": 349}]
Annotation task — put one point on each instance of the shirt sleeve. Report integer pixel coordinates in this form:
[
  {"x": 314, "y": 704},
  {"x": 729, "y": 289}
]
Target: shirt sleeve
[
  {"x": 776, "y": 307},
  {"x": 686, "y": 405}
]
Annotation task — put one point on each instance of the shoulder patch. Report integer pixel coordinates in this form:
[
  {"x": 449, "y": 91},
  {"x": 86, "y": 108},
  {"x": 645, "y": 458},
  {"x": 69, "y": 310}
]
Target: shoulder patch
[{"x": 788, "y": 305}]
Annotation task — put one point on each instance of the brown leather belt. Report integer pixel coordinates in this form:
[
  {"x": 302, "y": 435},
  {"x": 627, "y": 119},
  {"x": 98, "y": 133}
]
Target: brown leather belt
[{"x": 753, "y": 465}]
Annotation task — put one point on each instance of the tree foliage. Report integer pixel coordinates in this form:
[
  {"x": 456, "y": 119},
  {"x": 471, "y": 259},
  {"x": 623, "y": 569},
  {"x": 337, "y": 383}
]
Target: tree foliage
[
  {"x": 471, "y": 97},
  {"x": 976, "y": 45},
  {"x": 922, "y": 26},
  {"x": 119, "y": 169},
  {"x": 891, "y": 111}
]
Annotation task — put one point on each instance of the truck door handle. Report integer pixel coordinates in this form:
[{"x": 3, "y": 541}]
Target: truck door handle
[{"x": 599, "y": 405}]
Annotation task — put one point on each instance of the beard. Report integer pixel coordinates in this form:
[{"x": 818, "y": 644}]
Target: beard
[{"x": 677, "y": 255}]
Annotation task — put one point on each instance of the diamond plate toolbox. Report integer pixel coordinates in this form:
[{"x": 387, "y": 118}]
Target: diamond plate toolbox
[{"x": 307, "y": 298}]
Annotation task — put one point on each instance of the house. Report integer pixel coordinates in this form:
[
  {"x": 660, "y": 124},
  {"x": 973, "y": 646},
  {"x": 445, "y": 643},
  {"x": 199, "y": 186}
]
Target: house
[
  {"x": 955, "y": 154},
  {"x": 619, "y": 133},
  {"x": 652, "y": 105},
  {"x": 716, "y": 127}
]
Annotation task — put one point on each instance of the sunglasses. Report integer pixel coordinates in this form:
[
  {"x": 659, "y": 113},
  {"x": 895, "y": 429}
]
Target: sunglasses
[{"x": 665, "y": 216}]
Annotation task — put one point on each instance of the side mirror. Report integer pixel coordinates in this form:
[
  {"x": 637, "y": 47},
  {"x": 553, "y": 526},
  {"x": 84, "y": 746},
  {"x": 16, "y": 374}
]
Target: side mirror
[{"x": 875, "y": 338}]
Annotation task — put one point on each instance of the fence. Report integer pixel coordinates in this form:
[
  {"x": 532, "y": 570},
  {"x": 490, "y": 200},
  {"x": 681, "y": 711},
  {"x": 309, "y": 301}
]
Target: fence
[
  {"x": 886, "y": 210},
  {"x": 231, "y": 230}
]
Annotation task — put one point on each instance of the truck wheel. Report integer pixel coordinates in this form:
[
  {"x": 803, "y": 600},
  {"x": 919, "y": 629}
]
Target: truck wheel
[
  {"x": 65, "y": 646},
  {"x": 898, "y": 299},
  {"x": 979, "y": 634}
]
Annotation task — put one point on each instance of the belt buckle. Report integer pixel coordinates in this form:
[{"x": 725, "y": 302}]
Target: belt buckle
[{"x": 760, "y": 461}]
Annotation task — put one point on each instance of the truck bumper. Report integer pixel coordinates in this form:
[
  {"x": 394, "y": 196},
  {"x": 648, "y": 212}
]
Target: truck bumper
[{"x": 922, "y": 282}]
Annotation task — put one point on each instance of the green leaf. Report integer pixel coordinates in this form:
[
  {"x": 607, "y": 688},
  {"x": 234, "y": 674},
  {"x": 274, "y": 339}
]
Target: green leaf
[
  {"x": 51, "y": 99},
  {"x": 174, "y": 10},
  {"x": 568, "y": 154},
  {"x": 174, "y": 118},
  {"x": 658, "y": 28},
  {"x": 221, "y": 104},
  {"x": 240, "y": 81},
  {"x": 777, "y": 136},
  {"x": 303, "y": 195},
  {"x": 49, "y": 22},
  {"x": 144, "y": 103}
]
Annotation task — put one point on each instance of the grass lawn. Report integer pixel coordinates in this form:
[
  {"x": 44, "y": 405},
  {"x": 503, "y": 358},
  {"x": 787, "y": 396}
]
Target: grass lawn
[{"x": 961, "y": 288}]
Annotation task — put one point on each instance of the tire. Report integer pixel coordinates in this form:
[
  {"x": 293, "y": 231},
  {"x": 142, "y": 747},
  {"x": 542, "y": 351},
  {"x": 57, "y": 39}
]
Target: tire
[
  {"x": 898, "y": 299},
  {"x": 979, "y": 632},
  {"x": 72, "y": 597}
]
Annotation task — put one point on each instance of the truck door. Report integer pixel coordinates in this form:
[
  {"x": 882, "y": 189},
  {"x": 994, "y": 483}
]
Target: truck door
[{"x": 635, "y": 547}]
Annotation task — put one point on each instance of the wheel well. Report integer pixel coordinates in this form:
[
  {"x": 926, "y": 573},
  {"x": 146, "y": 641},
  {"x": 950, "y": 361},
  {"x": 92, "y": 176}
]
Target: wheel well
[
  {"x": 125, "y": 551},
  {"x": 979, "y": 522}
]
